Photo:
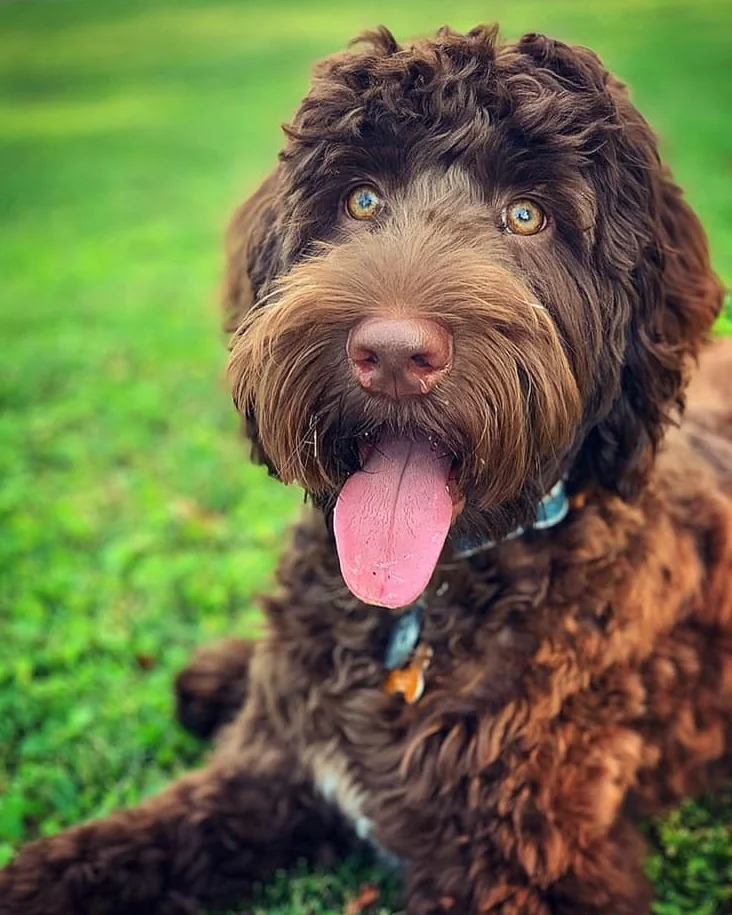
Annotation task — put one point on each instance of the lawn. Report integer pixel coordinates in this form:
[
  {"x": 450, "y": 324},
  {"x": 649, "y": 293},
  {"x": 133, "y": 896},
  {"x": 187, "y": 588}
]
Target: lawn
[{"x": 132, "y": 527}]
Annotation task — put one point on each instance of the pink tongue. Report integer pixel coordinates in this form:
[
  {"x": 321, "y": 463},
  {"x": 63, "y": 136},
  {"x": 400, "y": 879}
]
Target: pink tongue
[{"x": 391, "y": 520}]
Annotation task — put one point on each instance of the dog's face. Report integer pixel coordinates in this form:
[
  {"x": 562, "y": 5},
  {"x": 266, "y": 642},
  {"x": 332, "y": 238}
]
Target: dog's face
[{"x": 468, "y": 276}]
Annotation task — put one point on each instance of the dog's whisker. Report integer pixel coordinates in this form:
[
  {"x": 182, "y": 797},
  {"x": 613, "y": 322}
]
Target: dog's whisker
[
  {"x": 295, "y": 462},
  {"x": 267, "y": 297}
]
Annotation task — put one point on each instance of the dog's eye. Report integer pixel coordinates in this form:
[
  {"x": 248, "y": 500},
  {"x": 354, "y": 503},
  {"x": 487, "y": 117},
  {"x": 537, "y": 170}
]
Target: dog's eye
[
  {"x": 523, "y": 217},
  {"x": 363, "y": 202}
]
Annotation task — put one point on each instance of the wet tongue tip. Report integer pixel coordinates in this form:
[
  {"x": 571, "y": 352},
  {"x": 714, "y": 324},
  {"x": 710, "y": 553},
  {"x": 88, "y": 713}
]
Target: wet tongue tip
[{"x": 391, "y": 520}]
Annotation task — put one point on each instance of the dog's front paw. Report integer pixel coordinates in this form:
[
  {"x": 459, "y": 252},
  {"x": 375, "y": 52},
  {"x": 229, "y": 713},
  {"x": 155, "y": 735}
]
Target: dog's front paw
[
  {"x": 95, "y": 869},
  {"x": 40, "y": 881}
]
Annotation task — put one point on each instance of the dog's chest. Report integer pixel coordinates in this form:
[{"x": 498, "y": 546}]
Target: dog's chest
[
  {"x": 338, "y": 785},
  {"x": 356, "y": 736},
  {"x": 355, "y": 755},
  {"x": 359, "y": 760}
]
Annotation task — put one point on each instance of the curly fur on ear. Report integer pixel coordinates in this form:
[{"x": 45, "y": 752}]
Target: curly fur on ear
[
  {"x": 673, "y": 296},
  {"x": 251, "y": 259},
  {"x": 251, "y": 251},
  {"x": 678, "y": 298}
]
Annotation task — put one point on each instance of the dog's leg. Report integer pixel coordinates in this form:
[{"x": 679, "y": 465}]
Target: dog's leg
[
  {"x": 604, "y": 878},
  {"x": 544, "y": 830},
  {"x": 205, "y": 840},
  {"x": 687, "y": 723},
  {"x": 212, "y": 688}
]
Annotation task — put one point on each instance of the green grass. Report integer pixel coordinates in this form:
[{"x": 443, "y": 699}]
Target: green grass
[{"x": 132, "y": 528}]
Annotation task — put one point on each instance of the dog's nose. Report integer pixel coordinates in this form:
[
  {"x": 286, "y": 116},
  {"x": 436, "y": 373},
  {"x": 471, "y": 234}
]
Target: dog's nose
[{"x": 399, "y": 356}]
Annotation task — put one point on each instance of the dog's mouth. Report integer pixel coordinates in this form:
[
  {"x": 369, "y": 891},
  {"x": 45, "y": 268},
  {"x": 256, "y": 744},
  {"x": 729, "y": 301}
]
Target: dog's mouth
[{"x": 392, "y": 517}]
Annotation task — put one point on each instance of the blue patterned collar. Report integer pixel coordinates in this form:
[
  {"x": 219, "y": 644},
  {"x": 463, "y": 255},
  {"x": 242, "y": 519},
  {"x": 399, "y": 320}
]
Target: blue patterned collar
[{"x": 550, "y": 511}]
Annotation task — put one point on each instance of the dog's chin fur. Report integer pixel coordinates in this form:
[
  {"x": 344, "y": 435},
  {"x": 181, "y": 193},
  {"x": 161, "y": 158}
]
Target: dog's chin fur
[{"x": 578, "y": 676}]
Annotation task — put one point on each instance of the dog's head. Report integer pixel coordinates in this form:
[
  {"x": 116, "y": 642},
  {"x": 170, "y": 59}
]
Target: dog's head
[{"x": 468, "y": 276}]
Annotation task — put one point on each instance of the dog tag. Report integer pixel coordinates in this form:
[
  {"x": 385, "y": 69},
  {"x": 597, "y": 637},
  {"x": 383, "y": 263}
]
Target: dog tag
[
  {"x": 409, "y": 681},
  {"x": 404, "y": 638}
]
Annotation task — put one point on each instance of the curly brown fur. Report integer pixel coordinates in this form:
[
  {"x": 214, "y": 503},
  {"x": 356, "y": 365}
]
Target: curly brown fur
[{"x": 580, "y": 675}]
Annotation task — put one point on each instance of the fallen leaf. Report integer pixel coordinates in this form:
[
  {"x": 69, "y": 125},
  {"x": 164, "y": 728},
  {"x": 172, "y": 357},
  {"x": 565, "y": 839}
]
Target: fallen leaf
[
  {"x": 145, "y": 661},
  {"x": 367, "y": 895}
]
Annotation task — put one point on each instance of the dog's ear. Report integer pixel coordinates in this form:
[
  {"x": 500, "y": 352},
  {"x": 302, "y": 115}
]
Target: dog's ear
[
  {"x": 251, "y": 262},
  {"x": 677, "y": 298},
  {"x": 663, "y": 283},
  {"x": 674, "y": 299},
  {"x": 251, "y": 251}
]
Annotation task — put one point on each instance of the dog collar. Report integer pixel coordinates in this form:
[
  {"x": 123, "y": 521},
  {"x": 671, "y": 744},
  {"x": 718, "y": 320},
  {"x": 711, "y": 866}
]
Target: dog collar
[
  {"x": 406, "y": 657},
  {"x": 550, "y": 511}
]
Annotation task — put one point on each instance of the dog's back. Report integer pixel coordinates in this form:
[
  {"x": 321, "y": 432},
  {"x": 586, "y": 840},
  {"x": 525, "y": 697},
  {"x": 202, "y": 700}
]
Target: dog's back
[
  {"x": 708, "y": 419},
  {"x": 710, "y": 391}
]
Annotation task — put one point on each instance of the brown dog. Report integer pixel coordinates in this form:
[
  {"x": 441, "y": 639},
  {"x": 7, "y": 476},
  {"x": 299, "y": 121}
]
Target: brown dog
[{"x": 467, "y": 302}]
